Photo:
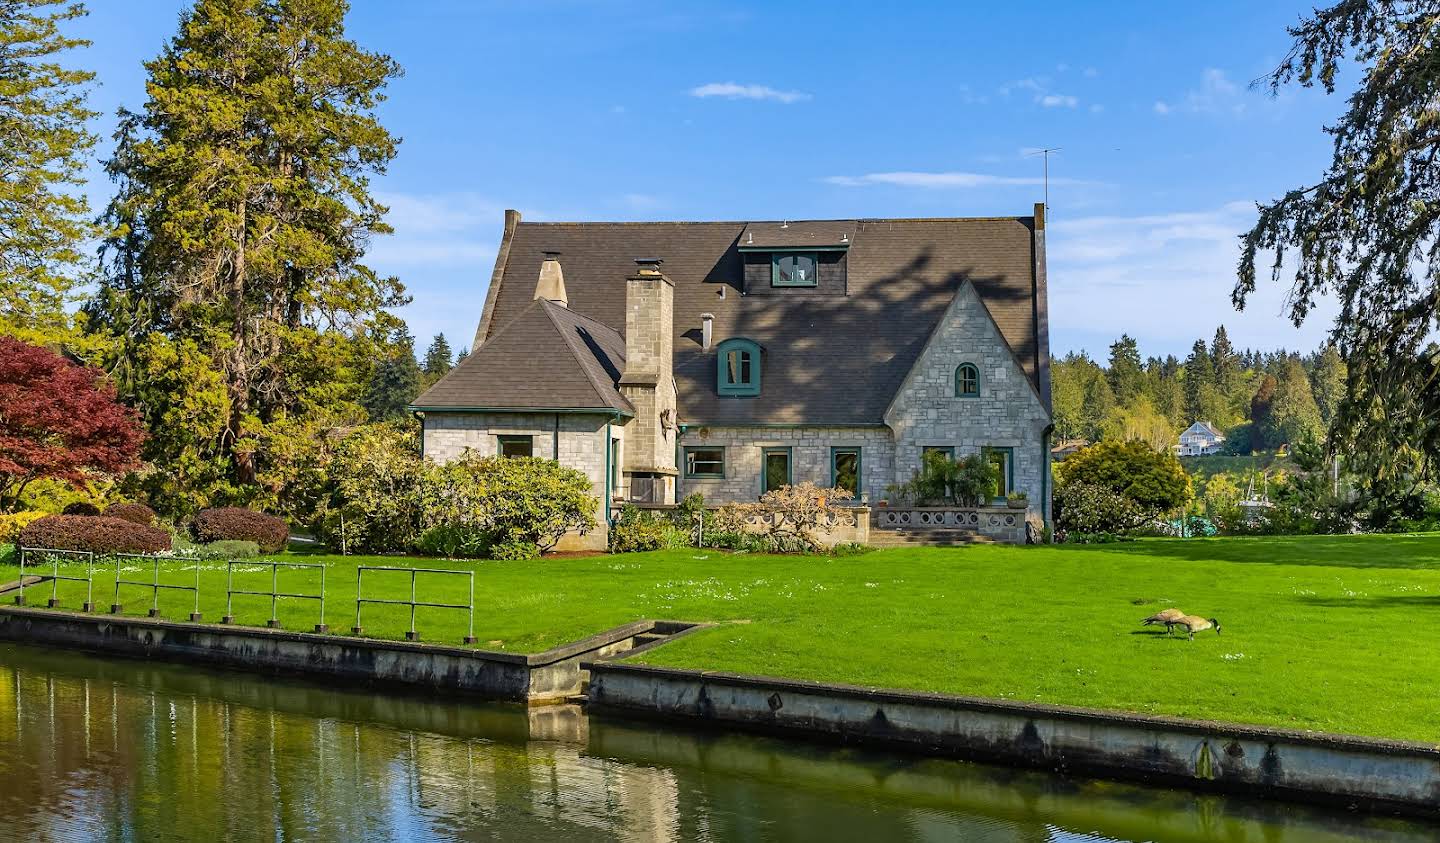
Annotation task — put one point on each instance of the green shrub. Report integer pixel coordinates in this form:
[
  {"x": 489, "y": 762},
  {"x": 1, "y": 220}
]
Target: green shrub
[
  {"x": 1083, "y": 508},
  {"x": 850, "y": 549},
  {"x": 455, "y": 541},
  {"x": 515, "y": 550},
  {"x": 12, "y": 523},
  {"x": 942, "y": 481},
  {"x": 376, "y": 503},
  {"x": 1153, "y": 481},
  {"x": 526, "y": 500},
  {"x": 225, "y": 549}
]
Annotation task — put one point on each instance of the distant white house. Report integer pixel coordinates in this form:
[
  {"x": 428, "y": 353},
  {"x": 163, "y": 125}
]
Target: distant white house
[{"x": 1200, "y": 439}]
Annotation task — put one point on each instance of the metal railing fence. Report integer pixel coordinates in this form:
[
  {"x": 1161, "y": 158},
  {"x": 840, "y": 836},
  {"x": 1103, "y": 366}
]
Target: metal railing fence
[
  {"x": 275, "y": 594},
  {"x": 155, "y": 586},
  {"x": 55, "y": 556},
  {"x": 412, "y": 634}
]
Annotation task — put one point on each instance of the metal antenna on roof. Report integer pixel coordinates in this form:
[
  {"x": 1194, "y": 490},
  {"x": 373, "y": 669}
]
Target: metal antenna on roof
[{"x": 1046, "y": 153}]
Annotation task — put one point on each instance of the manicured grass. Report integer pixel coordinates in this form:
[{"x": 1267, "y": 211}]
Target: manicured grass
[{"x": 1325, "y": 633}]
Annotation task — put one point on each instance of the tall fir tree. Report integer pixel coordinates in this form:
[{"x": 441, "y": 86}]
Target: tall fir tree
[
  {"x": 239, "y": 230},
  {"x": 1328, "y": 382},
  {"x": 395, "y": 383},
  {"x": 1224, "y": 362},
  {"x": 1294, "y": 416},
  {"x": 438, "y": 359},
  {"x": 1199, "y": 378},
  {"x": 1262, "y": 406},
  {"x": 44, "y": 219},
  {"x": 1126, "y": 376}
]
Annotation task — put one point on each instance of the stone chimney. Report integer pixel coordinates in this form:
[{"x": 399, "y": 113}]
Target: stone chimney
[
  {"x": 707, "y": 330},
  {"x": 551, "y": 285},
  {"x": 649, "y": 380}
]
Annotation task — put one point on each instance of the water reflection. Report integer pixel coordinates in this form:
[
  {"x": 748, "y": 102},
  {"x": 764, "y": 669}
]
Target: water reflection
[{"x": 99, "y": 749}]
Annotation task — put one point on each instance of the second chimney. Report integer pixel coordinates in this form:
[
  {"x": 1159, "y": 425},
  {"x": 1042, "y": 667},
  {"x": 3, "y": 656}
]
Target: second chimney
[{"x": 551, "y": 285}]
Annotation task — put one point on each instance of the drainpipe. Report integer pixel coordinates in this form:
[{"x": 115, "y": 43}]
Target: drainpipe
[
  {"x": 609, "y": 470},
  {"x": 555, "y": 442},
  {"x": 1045, "y": 475}
]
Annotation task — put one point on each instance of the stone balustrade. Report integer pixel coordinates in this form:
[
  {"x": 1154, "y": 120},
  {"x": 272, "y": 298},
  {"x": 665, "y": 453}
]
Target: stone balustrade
[{"x": 1001, "y": 523}]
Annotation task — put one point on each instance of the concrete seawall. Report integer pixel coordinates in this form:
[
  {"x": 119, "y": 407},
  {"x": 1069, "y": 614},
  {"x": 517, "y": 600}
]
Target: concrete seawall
[
  {"x": 538, "y": 678},
  {"x": 1342, "y": 771}
]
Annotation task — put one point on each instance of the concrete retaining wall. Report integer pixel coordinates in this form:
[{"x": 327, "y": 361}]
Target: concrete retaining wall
[
  {"x": 1375, "y": 774},
  {"x": 538, "y": 678}
]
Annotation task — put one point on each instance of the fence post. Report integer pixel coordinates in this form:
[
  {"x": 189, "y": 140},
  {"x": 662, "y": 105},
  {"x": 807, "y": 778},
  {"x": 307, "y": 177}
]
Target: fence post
[
  {"x": 357, "y": 629},
  {"x": 20, "y": 595},
  {"x": 89, "y": 605},
  {"x": 155, "y": 588},
  {"x": 470, "y": 636},
  {"x": 115, "y": 606},
  {"x": 412, "y": 635},
  {"x": 229, "y": 592},
  {"x": 274, "y": 622},
  {"x": 195, "y": 612},
  {"x": 322, "y": 626},
  {"x": 54, "y": 582}
]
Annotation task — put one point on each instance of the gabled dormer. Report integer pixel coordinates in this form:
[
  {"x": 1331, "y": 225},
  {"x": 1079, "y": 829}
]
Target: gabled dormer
[{"x": 784, "y": 258}]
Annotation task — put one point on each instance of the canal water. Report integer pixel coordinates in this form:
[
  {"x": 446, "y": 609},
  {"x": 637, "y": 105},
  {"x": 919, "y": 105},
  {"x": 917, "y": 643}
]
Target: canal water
[{"x": 96, "y": 748}]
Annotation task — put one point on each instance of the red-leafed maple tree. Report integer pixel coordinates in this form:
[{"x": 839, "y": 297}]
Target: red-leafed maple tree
[{"x": 58, "y": 420}]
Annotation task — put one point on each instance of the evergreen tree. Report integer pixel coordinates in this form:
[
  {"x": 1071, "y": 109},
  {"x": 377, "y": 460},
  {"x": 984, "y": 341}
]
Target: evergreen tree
[
  {"x": 461, "y": 355},
  {"x": 1223, "y": 362},
  {"x": 44, "y": 220},
  {"x": 241, "y": 221},
  {"x": 437, "y": 358},
  {"x": 1294, "y": 417},
  {"x": 1328, "y": 381},
  {"x": 395, "y": 383},
  {"x": 1262, "y": 431},
  {"x": 1098, "y": 404},
  {"x": 1199, "y": 376},
  {"x": 1125, "y": 373}
]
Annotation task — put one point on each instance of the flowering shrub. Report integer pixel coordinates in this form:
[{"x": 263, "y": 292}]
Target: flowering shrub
[
  {"x": 11, "y": 524},
  {"x": 236, "y": 523},
  {"x": 790, "y": 517},
  {"x": 136, "y": 512},
  {"x": 97, "y": 534}
]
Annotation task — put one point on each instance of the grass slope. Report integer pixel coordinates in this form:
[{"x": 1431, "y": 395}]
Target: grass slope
[{"x": 1324, "y": 633}]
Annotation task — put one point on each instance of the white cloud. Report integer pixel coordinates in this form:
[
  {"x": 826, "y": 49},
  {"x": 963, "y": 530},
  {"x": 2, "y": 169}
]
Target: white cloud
[
  {"x": 945, "y": 180},
  {"x": 1058, "y": 101},
  {"x": 436, "y": 230},
  {"x": 734, "y": 91},
  {"x": 1165, "y": 278},
  {"x": 1215, "y": 94},
  {"x": 1162, "y": 107},
  {"x": 1039, "y": 87}
]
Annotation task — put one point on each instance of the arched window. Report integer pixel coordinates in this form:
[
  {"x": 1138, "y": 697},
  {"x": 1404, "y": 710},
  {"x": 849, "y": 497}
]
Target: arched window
[
  {"x": 967, "y": 381},
  {"x": 738, "y": 367}
]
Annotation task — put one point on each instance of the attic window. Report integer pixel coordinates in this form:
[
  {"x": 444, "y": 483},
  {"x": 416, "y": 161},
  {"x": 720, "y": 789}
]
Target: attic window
[
  {"x": 794, "y": 269},
  {"x": 738, "y": 368},
  {"x": 967, "y": 381}
]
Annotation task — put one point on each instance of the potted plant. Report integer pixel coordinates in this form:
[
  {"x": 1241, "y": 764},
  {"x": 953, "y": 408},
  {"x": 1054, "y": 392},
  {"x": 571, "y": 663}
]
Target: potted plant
[{"x": 1017, "y": 500}]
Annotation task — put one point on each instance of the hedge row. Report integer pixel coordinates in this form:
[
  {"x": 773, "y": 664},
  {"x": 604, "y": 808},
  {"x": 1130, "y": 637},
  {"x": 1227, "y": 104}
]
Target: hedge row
[
  {"x": 136, "y": 512},
  {"x": 233, "y": 523},
  {"x": 97, "y": 533}
]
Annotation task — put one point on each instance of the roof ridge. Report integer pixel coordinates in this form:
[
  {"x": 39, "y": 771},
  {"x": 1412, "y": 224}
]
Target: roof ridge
[
  {"x": 582, "y": 223},
  {"x": 567, "y": 337}
]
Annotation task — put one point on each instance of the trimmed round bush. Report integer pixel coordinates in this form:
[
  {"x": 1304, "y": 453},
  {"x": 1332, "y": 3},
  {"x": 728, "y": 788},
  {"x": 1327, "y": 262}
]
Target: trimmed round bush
[
  {"x": 233, "y": 523},
  {"x": 85, "y": 508},
  {"x": 137, "y": 513},
  {"x": 95, "y": 533}
]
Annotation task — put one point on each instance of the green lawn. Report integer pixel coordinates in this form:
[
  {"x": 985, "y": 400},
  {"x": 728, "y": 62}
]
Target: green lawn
[{"x": 1327, "y": 633}]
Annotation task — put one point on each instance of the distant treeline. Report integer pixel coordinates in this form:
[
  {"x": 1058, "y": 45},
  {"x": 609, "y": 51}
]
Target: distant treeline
[{"x": 1259, "y": 399}]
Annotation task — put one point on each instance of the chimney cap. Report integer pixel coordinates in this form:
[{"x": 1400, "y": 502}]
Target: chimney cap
[
  {"x": 551, "y": 254},
  {"x": 707, "y": 316},
  {"x": 649, "y": 262}
]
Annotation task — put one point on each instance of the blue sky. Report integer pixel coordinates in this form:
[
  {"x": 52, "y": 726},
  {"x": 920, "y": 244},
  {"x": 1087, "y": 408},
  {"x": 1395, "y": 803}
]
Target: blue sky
[{"x": 639, "y": 109}]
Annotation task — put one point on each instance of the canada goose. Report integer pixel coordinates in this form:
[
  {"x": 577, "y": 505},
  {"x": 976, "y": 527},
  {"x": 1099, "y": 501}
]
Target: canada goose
[
  {"x": 1195, "y": 623},
  {"x": 1169, "y": 617}
]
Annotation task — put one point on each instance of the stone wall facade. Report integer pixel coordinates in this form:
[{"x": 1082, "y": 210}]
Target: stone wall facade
[
  {"x": 1007, "y": 413},
  {"x": 577, "y": 440},
  {"x": 810, "y": 449}
]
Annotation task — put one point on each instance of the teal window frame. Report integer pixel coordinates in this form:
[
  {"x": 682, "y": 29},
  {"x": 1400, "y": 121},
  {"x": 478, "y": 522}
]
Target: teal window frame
[
  {"x": 776, "y": 257},
  {"x": 741, "y": 388},
  {"x": 703, "y": 475},
  {"x": 501, "y": 440},
  {"x": 948, "y": 450},
  {"x": 765, "y": 454},
  {"x": 836, "y": 451},
  {"x": 1008, "y": 478},
  {"x": 959, "y": 381}
]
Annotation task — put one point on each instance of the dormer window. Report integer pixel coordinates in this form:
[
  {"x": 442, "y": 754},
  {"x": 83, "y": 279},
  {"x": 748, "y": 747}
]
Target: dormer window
[
  {"x": 738, "y": 368},
  {"x": 794, "y": 269}
]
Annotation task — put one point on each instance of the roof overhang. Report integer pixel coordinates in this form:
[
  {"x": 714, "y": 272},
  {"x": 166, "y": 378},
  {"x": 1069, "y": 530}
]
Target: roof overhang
[{"x": 592, "y": 411}]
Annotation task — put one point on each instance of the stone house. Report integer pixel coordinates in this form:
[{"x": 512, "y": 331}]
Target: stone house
[
  {"x": 728, "y": 358},
  {"x": 1200, "y": 439}
]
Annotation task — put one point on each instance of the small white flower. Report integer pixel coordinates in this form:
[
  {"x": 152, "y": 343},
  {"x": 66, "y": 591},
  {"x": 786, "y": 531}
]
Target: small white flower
[{"x": 1230, "y": 657}]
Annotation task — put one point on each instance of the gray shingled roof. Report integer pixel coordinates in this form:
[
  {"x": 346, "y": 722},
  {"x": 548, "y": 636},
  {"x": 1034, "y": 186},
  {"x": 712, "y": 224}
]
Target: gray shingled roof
[
  {"x": 828, "y": 359},
  {"x": 794, "y": 235},
  {"x": 547, "y": 357}
]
